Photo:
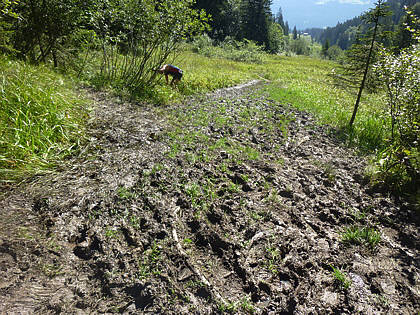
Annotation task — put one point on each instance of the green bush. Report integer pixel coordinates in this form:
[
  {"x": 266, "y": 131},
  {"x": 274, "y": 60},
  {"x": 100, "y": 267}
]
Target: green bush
[
  {"x": 245, "y": 51},
  {"x": 399, "y": 163}
]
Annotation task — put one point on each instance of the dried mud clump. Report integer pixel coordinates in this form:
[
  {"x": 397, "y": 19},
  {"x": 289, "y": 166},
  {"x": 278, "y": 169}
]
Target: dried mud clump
[{"x": 226, "y": 203}]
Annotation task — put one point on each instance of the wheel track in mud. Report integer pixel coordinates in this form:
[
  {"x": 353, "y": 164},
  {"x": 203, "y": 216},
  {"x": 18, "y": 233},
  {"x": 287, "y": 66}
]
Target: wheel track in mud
[{"x": 115, "y": 230}]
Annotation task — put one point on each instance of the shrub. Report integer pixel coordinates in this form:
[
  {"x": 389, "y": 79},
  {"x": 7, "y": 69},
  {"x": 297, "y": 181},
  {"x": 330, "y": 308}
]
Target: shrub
[
  {"x": 243, "y": 51},
  {"x": 400, "y": 161}
]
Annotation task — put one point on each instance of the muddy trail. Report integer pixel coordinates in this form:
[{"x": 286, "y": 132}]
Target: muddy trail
[{"x": 227, "y": 203}]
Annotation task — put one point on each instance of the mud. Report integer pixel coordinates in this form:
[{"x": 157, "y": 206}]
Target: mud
[{"x": 228, "y": 202}]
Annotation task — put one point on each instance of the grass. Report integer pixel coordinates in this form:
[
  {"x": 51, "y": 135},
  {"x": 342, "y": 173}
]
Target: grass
[
  {"x": 361, "y": 235},
  {"x": 41, "y": 119},
  {"x": 303, "y": 82},
  {"x": 341, "y": 278}
]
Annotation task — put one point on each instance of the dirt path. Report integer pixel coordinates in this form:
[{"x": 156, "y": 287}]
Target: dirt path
[{"x": 229, "y": 202}]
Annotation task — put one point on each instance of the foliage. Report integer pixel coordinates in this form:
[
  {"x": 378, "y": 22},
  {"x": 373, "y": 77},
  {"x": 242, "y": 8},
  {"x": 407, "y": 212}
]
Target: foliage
[
  {"x": 275, "y": 38},
  {"x": 7, "y": 16},
  {"x": 41, "y": 118},
  {"x": 334, "y": 52},
  {"x": 224, "y": 17},
  {"x": 372, "y": 17},
  {"x": 345, "y": 34},
  {"x": 341, "y": 278},
  {"x": 43, "y": 27},
  {"x": 350, "y": 72},
  {"x": 325, "y": 48},
  {"x": 404, "y": 37},
  {"x": 245, "y": 51},
  {"x": 361, "y": 235},
  {"x": 139, "y": 36},
  {"x": 401, "y": 76},
  {"x": 256, "y": 18},
  {"x": 300, "y": 46}
]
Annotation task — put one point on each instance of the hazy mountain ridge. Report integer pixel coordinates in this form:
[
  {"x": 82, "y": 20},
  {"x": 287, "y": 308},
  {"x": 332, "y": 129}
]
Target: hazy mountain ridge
[{"x": 343, "y": 34}]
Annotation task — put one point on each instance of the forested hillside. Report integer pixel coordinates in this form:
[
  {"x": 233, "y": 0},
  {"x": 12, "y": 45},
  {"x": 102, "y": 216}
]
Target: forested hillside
[{"x": 345, "y": 34}]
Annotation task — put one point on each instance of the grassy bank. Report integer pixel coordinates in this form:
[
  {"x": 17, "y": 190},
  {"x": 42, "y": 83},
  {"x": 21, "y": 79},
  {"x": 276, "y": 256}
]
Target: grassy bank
[{"x": 41, "y": 119}]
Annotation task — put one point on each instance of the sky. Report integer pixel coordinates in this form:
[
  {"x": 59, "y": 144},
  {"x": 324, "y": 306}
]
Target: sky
[{"x": 319, "y": 13}]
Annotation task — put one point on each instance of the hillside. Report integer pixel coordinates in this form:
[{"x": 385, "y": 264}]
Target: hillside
[
  {"x": 344, "y": 34},
  {"x": 228, "y": 202}
]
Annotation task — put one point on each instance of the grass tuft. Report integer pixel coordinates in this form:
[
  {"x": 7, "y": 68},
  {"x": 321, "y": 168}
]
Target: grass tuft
[{"x": 361, "y": 235}]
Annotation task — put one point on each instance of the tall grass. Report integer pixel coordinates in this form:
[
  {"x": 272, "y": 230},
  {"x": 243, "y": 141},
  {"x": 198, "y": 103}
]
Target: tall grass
[
  {"x": 303, "y": 82},
  {"x": 41, "y": 119}
]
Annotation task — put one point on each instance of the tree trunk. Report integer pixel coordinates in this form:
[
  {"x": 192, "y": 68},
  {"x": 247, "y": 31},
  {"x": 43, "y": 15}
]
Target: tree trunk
[{"x": 362, "y": 85}]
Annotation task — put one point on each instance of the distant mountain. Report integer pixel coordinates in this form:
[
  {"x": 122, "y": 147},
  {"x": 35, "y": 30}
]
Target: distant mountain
[
  {"x": 344, "y": 34},
  {"x": 319, "y": 13}
]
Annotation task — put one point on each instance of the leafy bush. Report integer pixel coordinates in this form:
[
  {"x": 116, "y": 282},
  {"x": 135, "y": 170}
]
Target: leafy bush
[
  {"x": 139, "y": 36},
  {"x": 245, "y": 51},
  {"x": 275, "y": 38},
  {"x": 334, "y": 52},
  {"x": 400, "y": 162}
]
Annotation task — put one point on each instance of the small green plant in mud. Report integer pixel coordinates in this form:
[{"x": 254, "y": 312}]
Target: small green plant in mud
[
  {"x": 233, "y": 188},
  {"x": 328, "y": 170},
  {"x": 229, "y": 307},
  {"x": 194, "y": 284},
  {"x": 24, "y": 233},
  {"x": 361, "y": 235},
  {"x": 255, "y": 215},
  {"x": 341, "y": 278},
  {"x": 134, "y": 221},
  {"x": 240, "y": 306},
  {"x": 125, "y": 194},
  {"x": 382, "y": 300},
  {"x": 360, "y": 215},
  {"x": 187, "y": 242},
  {"x": 247, "y": 305},
  {"x": 111, "y": 233},
  {"x": 149, "y": 266},
  {"x": 251, "y": 154},
  {"x": 199, "y": 196},
  {"x": 273, "y": 197},
  {"x": 273, "y": 259},
  {"x": 52, "y": 270}
]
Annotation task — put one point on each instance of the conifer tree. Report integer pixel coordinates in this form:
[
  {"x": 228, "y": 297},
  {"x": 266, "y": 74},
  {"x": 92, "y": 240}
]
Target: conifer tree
[
  {"x": 256, "y": 19},
  {"x": 373, "y": 17},
  {"x": 295, "y": 34},
  {"x": 325, "y": 48}
]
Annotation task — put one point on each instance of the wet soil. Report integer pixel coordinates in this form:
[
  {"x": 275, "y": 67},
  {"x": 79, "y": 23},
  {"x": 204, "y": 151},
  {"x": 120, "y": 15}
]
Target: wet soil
[{"x": 227, "y": 202}]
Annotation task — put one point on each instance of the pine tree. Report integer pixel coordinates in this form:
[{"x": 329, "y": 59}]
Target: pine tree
[
  {"x": 286, "y": 29},
  {"x": 325, "y": 48},
  {"x": 256, "y": 18},
  {"x": 279, "y": 19},
  {"x": 295, "y": 34},
  {"x": 373, "y": 17}
]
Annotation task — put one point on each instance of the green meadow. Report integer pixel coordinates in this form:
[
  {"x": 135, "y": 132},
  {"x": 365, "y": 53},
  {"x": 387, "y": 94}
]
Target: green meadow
[
  {"x": 302, "y": 82},
  {"x": 42, "y": 116}
]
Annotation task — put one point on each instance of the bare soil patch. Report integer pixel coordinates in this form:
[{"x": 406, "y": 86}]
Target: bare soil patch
[{"x": 228, "y": 202}]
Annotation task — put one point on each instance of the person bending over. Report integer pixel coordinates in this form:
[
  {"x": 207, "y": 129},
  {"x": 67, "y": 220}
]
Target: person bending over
[{"x": 173, "y": 71}]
